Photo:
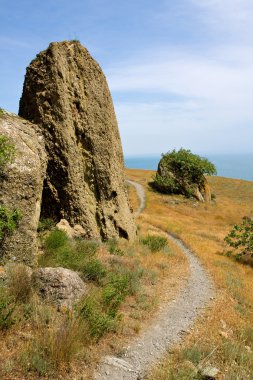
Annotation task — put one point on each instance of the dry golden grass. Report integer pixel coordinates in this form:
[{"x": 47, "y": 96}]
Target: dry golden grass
[
  {"x": 229, "y": 336},
  {"x": 44, "y": 343},
  {"x": 203, "y": 228}
]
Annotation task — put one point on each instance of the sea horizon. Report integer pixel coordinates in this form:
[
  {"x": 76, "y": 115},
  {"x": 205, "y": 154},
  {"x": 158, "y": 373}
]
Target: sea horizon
[{"x": 237, "y": 166}]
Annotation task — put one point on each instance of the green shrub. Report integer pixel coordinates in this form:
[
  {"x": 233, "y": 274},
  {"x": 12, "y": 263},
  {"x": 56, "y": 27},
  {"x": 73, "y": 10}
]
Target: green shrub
[
  {"x": 8, "y": 221},
  {"x": 86, "y": 248},
  {"x": 115, "y": 292},
  {"x": 181, "y": 172},
  {"x": 76, "y": 254},
  {"x": 113, "y": 248},
  {"x": 155, "y": 243},
  {"x": 69, "y": 253},
  {"x": 93, "y": 270},
  {"x": 100, "y": 309},
  {"x": 98, "y": 320},
  {"x": 241, "y": 238},
  {"x": 7, "y": 152},
  {"x": 55, "y": 240}
]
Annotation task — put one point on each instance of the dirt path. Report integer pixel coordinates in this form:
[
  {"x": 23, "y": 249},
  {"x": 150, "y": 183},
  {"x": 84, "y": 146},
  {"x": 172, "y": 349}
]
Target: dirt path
[
  {"x": 171, "y": 323},
  {"x": 141, "y": 194}
]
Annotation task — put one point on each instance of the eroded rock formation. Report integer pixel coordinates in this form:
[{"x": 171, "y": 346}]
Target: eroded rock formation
[
  {"x": 66, "y": 94},
  {"x": 60, "y": 286},
  {"x": 21, "y": 188}
]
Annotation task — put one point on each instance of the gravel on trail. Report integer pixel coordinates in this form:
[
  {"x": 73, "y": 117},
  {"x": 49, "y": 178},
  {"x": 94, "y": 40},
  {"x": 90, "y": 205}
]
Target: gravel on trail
[{"x": 168, "y": 327}]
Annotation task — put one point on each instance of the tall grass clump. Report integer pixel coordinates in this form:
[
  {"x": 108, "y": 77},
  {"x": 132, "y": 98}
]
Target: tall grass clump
[
  {"x": 113, "y": 248},
  {"x": 55, "y": 344},
  {"x": 19, "y": 282}
]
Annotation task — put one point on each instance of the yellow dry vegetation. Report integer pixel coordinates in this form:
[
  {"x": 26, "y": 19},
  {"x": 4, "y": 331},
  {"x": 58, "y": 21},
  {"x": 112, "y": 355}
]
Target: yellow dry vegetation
[
  {"x": 223, "y": 336},
  {"x": 42, "y": 342}
]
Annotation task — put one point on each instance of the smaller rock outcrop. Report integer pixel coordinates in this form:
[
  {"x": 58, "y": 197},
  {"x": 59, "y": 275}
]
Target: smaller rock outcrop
[
  {"x": 61, "y": 286},
  {"x": 21, "y": 187},
  {"x": 72, "y": 232},
  {"x": 182, "y": 172}
]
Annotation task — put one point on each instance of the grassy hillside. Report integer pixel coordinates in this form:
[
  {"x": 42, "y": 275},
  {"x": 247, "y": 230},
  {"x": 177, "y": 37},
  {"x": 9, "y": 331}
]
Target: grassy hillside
[
  {"x": 127, "y": 283},
  {"x": 223, "y": 337}
]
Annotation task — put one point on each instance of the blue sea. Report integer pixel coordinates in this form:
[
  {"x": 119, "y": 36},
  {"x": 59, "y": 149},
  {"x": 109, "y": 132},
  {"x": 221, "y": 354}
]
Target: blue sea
[{"x": 231, "y": 166}]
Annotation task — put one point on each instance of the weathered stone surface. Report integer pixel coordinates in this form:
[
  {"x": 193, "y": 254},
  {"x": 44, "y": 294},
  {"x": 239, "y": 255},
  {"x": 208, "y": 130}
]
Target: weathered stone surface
[
  {"x": 21, "y": 188},
  {"x": 66, "y": 94},
  {"x": 61, "y": 286},
  {"x": 209, "y": 373}
]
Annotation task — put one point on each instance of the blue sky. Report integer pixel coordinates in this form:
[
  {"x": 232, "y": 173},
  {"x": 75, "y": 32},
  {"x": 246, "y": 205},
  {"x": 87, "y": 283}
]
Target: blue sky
[{"x": 180, "y": 71}]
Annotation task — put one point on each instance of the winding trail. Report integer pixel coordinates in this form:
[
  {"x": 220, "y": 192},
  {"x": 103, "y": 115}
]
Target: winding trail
[
  {"x": 142, "y": 197},
  {"x": 171, "y": 323}
]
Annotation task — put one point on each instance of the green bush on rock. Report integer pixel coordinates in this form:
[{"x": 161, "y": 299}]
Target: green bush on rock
[
  {"x": 182, "y": 172},
  {"x": 7, "y": 152},
  {"x": 8, "y": 221}
]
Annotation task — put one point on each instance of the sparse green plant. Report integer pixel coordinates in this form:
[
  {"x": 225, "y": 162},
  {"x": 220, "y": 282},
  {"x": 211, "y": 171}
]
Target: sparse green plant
[
  {"x": 235, "y": 352},
  {"x": 8, "y": 221},
  {"x": 45, "y": 224},
  {"x": 86, "y": 248},
  {"x": 194, "y": 354},
  {"x": 101, "y": 308},
  {"x": 246, "y": 335},
  {"x": 7, "y": 152},
  {"x": 7, "y": 307},
  {"x": 154, "y": 243},
  {"x": 75, "y": 254},
  {"x": 34, "y": 359},
  {"x": 93, "y": 270},
  {"x": 241, "y": 238},
  {"x": 65, "y": 252},
  {"x": 113, "y": 248},
  {"x": 55, "y": 240},
  {"x": 99, "y": 322},
  {"x": 114, "y": 293}
]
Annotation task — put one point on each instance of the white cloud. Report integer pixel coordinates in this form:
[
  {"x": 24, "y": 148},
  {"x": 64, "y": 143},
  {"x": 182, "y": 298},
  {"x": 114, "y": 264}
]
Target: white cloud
[
  {"x": 159, "y": 127},
  {"x": 212, "y": 105},
  {"x": 205, "y": 87},
  {"x": 235, "y": 16}
]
